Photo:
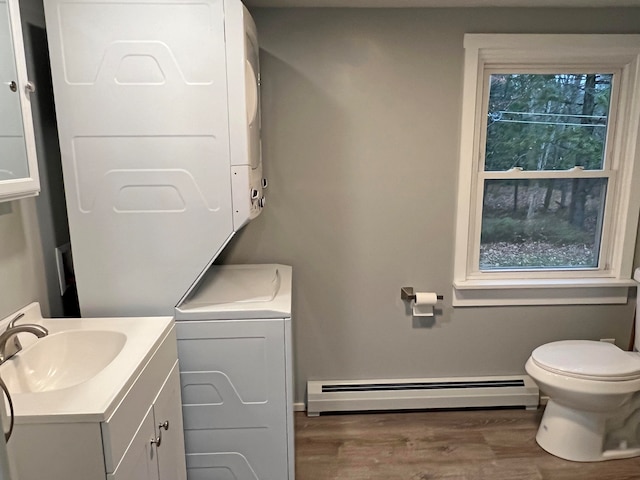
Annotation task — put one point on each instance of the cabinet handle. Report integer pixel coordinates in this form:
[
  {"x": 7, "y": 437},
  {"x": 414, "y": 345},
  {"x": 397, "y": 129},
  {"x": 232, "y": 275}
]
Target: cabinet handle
[
  {"x": 13, "y": 86},
  {"x": 158, "y": 440}
]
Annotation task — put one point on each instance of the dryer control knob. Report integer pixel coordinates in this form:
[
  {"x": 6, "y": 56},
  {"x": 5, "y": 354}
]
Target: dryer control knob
[
  {"x": 262, "y": 202},
  {"x": 265, "y": 184}
]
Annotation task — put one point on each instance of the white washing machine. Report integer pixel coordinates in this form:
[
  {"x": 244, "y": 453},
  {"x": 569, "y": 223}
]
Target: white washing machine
[{"x": 234, "y": 347}]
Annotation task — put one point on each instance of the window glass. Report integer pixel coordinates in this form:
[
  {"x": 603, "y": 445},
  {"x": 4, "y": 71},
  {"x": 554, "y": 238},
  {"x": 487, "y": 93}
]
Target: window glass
[
  {"x": 542, "y": 224},
  {"x": 547, "y": 122}
]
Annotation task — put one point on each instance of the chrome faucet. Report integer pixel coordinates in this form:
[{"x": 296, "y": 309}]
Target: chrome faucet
[{"x": 7, "y": 348}]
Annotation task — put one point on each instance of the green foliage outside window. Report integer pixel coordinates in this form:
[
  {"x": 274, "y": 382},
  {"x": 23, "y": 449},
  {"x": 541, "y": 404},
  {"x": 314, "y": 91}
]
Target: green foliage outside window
[
  {"x": 544, "y": 122},
  {"x": 547, "y": 122}
]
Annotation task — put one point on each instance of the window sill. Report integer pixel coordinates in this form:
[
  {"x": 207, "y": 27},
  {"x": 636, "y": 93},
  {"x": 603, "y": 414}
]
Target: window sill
[{"x": 574, "y": 291}]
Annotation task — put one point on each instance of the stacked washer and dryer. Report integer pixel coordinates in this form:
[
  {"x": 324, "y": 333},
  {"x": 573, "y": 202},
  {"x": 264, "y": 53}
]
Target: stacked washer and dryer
[{"x": 158, "y": 113}]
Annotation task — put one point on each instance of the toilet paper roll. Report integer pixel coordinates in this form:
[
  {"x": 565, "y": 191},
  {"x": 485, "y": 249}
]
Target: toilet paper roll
[{"x": 424, "y": 303}]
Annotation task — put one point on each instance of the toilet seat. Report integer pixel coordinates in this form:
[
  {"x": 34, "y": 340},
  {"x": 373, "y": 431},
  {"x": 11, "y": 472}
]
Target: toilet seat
[{"x": 588, "y": 360}]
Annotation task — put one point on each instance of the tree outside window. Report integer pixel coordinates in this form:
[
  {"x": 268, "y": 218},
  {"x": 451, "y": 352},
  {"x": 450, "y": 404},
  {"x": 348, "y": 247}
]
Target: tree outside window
[{"x": 544, "y": 122}]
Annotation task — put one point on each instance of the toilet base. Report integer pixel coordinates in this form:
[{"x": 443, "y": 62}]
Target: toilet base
[{"x": 577, "y": 435}]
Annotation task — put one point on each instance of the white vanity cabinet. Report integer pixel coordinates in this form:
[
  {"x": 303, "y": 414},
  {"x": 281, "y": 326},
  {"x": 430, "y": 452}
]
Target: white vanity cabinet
[
  {"x": 138, "y": 437},
  {"x": 157, "y": 449}
]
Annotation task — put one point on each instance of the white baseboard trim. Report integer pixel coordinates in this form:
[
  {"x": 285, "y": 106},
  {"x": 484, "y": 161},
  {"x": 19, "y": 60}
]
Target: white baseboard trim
[{"x": 299, "y": 407}]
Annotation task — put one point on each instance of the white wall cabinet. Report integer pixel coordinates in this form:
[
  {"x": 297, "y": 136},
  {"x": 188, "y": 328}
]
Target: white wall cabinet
[
  {"x": 18, "y": 166},
  {"x": 141, "y": 440}
]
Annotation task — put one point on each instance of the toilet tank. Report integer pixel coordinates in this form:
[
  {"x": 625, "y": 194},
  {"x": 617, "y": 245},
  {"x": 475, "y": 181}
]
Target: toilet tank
[{"x": 158, "y": 113}]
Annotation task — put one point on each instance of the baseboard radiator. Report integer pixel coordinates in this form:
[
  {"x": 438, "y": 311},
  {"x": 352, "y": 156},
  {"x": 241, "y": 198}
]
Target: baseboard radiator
[{"x": 421, "y": 393}]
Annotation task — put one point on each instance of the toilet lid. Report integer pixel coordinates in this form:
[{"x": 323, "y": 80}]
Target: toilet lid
[{"x": 589, "y": 359}]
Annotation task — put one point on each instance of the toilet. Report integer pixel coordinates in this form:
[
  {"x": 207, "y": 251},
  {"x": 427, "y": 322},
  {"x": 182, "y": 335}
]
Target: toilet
[{"x": 593, "y": 413}]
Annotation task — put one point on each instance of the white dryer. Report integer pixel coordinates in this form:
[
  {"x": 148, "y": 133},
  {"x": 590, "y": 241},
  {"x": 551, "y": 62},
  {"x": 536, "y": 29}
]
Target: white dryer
[
  {"x": 234, "y": 346},
  {"x": 159, "y": 121}
]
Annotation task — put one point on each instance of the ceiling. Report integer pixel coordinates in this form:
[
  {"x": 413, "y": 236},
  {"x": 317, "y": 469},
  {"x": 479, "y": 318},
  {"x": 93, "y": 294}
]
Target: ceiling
[{"x": 441, "y": 3}]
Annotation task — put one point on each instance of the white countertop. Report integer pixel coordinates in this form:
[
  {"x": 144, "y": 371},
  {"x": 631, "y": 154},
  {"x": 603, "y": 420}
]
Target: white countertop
[{"x": 96, "y": 398}]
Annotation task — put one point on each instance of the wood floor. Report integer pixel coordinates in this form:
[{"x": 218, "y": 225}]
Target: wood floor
[{"x": 460, "y": 445}]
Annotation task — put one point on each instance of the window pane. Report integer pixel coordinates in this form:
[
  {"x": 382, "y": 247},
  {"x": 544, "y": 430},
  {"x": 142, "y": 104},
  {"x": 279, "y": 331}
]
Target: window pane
[
  {"x": 542, "y": 224},
  {"x": 547, "y": 122}
]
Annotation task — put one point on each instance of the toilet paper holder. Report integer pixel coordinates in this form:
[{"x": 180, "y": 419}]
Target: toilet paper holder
[{"x": 406, "y": 293}]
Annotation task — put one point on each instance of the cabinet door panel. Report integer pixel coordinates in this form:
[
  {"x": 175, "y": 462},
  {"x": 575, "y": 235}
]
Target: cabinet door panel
[
  {"x": 118, "y": 430},
  {"x": 167, "y": 408},
  {"x": 139, "y": 461},
  {"x": 18, "y": 164}
]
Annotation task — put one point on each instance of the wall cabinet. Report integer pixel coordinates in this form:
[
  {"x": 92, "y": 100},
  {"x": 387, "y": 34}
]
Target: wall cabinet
[
  {"x": 18, "y": 165},
  {"x": 142, "y": 439}
]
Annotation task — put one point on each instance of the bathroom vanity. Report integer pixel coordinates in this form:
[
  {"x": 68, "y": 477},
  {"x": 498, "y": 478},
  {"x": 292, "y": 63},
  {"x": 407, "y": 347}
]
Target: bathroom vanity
[{"x": 108, "y": 406}]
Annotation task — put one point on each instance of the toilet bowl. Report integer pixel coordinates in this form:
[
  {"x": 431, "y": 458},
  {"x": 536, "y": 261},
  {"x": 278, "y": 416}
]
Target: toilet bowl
[
  {"x": 593, "y": 412},
  {"x": 594, "y": 407}
]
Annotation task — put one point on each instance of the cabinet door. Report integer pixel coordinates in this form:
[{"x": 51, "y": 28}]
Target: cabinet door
[
  {"x": 18, "y": 165},
  {"x": 139, "y": 461},
  {"x": 168, "y": 423}
]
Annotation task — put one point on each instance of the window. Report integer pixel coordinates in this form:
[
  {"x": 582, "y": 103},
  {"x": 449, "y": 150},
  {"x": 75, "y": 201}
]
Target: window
[{"x": 547, "y": 212}]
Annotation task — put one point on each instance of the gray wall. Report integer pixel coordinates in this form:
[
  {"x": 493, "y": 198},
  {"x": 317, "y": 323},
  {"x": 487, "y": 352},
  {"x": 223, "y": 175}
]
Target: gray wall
[
  {"x": 50, "y": 204},
  {"x": 21, "y": 265},
  {"x": 360, "y": 137}
]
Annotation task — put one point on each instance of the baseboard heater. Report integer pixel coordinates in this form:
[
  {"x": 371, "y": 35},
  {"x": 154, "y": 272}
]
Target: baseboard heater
[{"x": 421, "y": 393}]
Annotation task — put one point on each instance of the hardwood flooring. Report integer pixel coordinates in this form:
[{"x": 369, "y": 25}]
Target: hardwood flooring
[{"x": 433, "y": 445}]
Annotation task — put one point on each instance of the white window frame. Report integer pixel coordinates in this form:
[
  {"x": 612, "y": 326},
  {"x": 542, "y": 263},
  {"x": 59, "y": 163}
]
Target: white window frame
[{"x": 513, "y": 53}]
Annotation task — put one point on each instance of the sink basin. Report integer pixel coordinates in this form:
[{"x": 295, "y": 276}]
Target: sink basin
[
  {"x": 84, "y": 367},
  {"x": 61, "y": 360}
]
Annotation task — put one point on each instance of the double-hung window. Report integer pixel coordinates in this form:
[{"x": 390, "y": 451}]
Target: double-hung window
[{"x": 548, "y": 194}]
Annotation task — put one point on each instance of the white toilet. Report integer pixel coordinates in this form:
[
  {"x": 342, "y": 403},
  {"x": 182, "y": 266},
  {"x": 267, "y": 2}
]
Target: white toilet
[{"x": 594, "y": 388}]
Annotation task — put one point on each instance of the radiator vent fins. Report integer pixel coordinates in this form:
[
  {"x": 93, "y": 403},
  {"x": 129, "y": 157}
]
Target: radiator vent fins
[{"x": 367, "y": 387}]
